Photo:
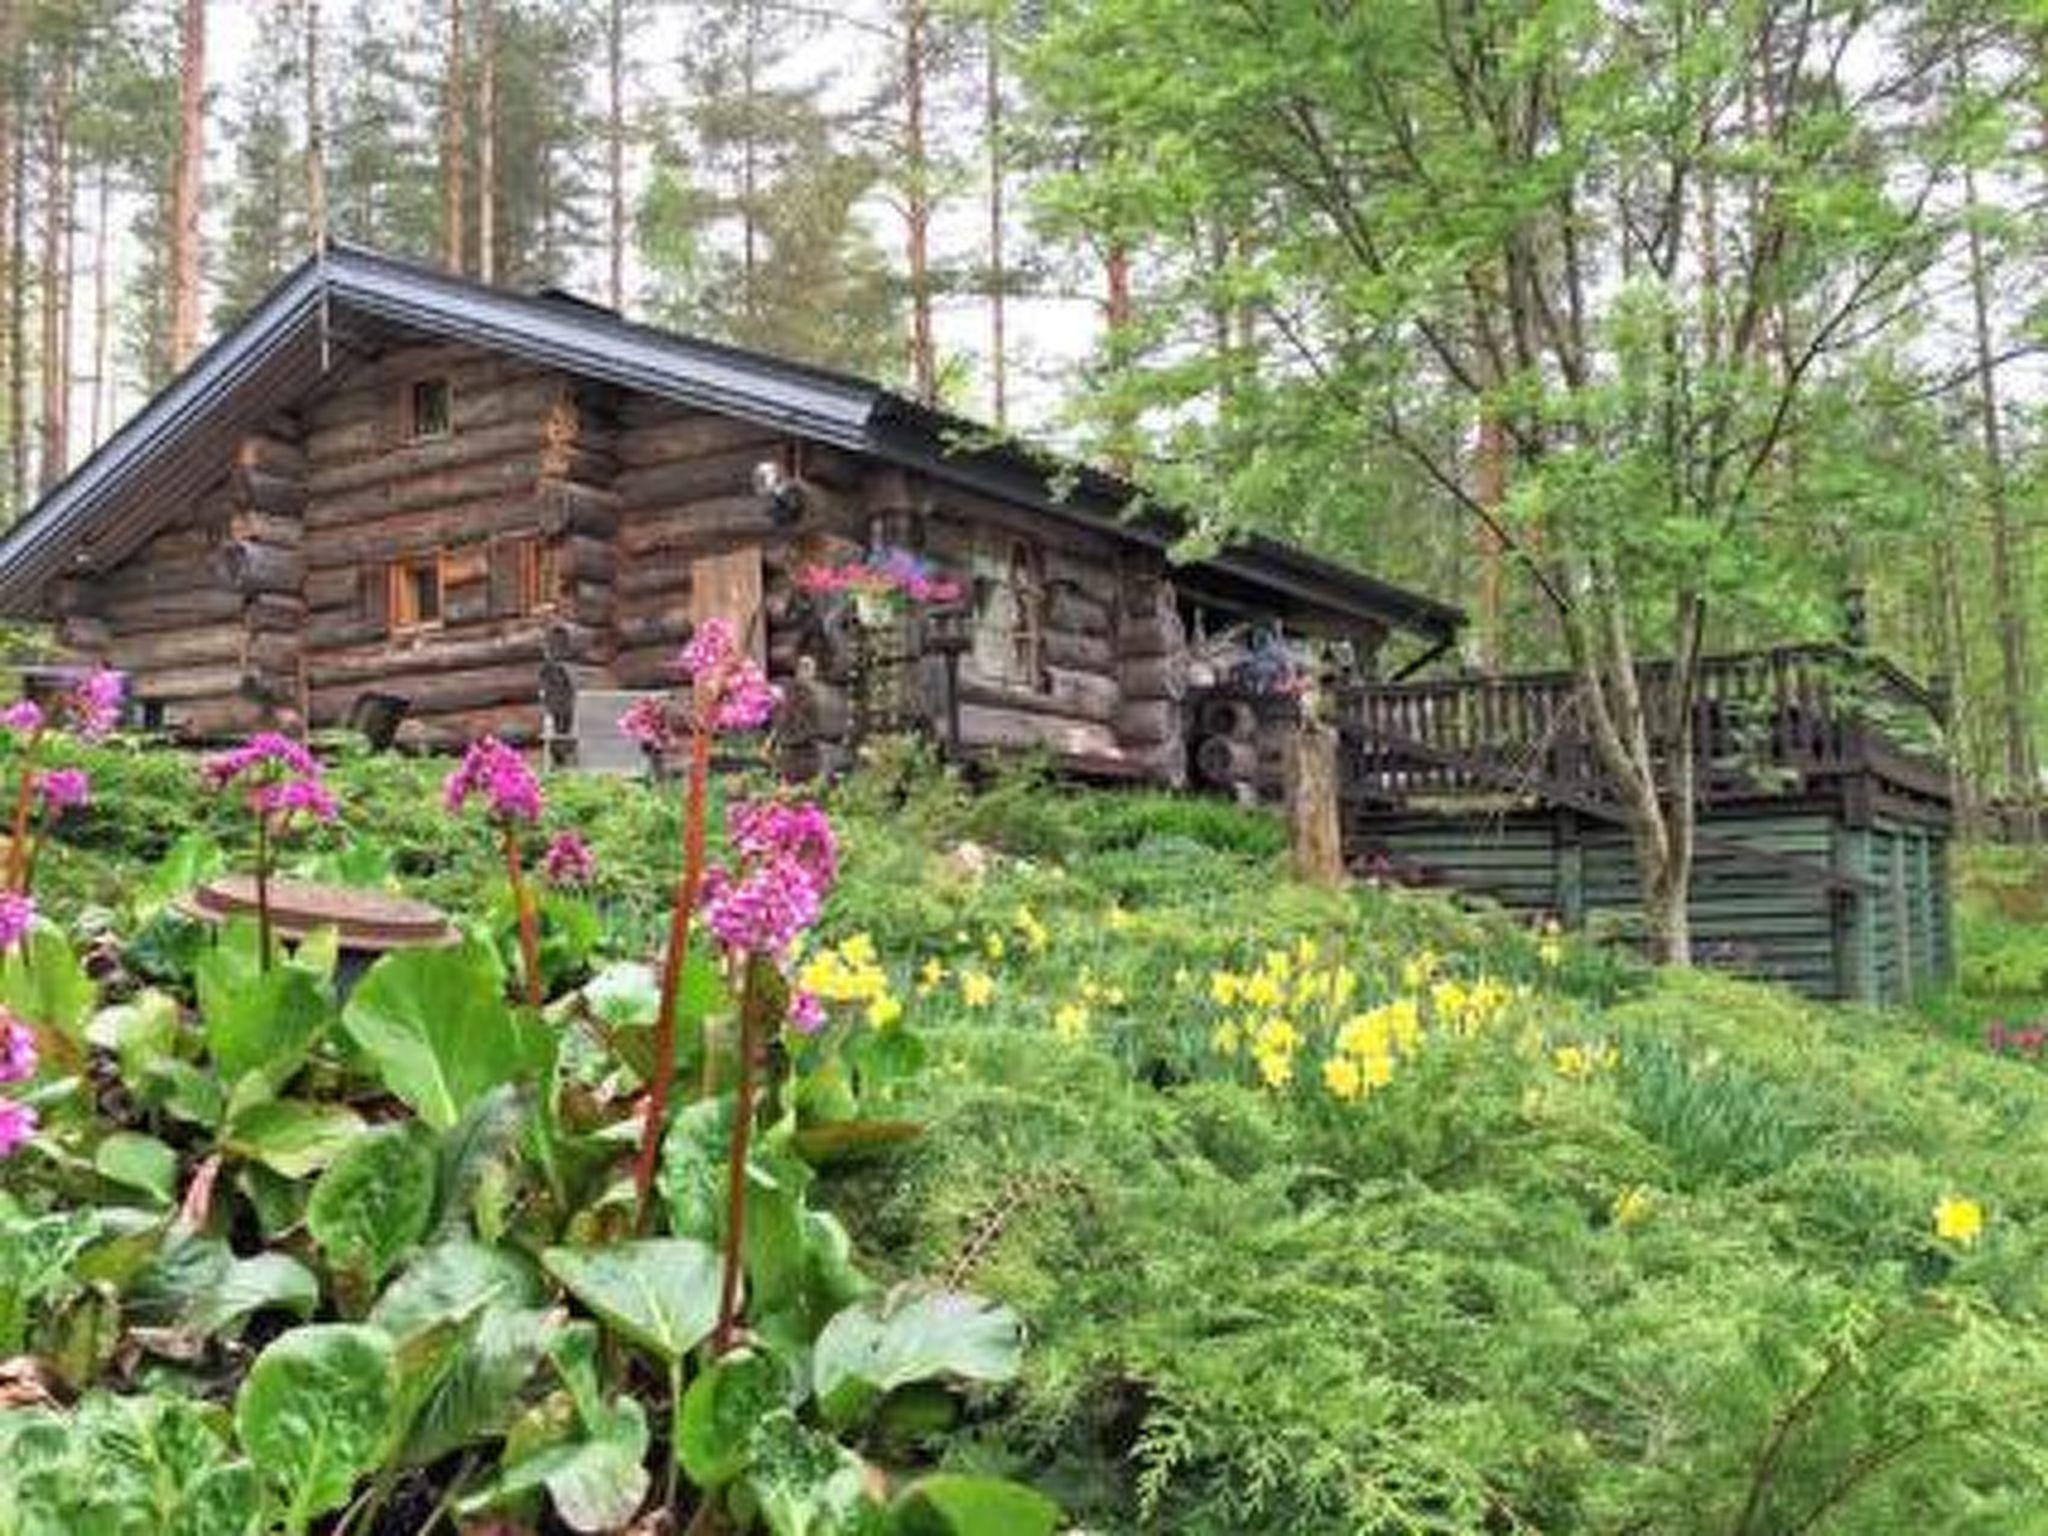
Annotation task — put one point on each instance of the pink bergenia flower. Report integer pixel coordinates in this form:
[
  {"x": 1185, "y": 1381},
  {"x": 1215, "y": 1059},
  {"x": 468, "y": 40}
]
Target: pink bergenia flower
[
  {"x": 740, "y": 697},
  {"x": 17, "y": 1125},
  {"x": 95, "y": 705},
  {"x": 500, "y": 775},
  {"x": 806, "y": 1012},
  {"x": 649, "y": 721},
  {"x": 266, "y": 750},
  {"x": 17, "y": 916},
  {"x": 24, "y": 717},
  {"x": 63, "y": 788},
  {"x": 788, "y": 859},
  {"x": 17, "y": 1050},
  {"x": 288, "y": 797},
  {"x": 568, "y": 861}
]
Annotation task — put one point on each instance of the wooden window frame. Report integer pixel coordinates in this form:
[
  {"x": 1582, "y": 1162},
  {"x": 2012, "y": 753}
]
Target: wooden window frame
[
  {"x": 418, "y": 390},
  {"x": 402, "y": 607},
  {"x": 1029, "y": 591},
  {"x": 539, "y": 574}
]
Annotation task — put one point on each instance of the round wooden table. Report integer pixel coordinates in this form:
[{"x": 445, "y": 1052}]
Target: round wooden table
[{"x": 375, "y": 921}]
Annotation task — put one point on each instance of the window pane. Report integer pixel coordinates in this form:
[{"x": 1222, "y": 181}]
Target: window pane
[{"x": 432, "y": 413}]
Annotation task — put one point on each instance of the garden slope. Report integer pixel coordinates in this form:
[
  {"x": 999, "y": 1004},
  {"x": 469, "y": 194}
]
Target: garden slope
[{"x": 1640, "y": 1253}]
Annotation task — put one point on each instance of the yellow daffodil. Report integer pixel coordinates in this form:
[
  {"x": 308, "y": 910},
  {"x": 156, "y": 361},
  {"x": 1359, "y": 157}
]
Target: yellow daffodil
[
  {"x": 931, "y": 976},
  {"x": 1958, "y": 1220},
  {"x": 1263, "y": 991},
  {"x": 977, "y": 987},
  {"x": 1224, "y": 988},
  {"x": 1417, "y": 970},
  {"x": 1342, "y": 1077},
  {"x": 858, "y": 950},
  {"x": 1070, "y": 1021},
  {"x": 1225, "y": 1038},
  {"x": 1378, "y": 1070},
  {"x": 1276, "y": 1068},
  {"x": 1035, "y": 935},
  {"x": 884, "y": 1011},
  {"x": 992, "y": 946},
  {"x": 1631, "y": 1207}
]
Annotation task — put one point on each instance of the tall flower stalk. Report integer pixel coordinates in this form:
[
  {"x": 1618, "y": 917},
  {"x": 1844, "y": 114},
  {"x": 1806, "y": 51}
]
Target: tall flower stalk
[
  {"x": 785, "y": 858},
  {"x": 498, "y": 776},
  {"x": 284, "y": 785},
  {"x": 727, "y": 692},
  {"x": 90, "y": 711}
]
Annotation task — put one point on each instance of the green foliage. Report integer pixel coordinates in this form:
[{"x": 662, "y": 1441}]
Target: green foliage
[
  {"x": 434, "y": 1023},
  {"x": 315, "y": 1413}
]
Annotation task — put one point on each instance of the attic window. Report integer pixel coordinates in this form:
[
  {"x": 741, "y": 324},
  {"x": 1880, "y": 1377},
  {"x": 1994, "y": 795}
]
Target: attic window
[
  {"x": 415, "y": 601},
  {"x": 433, "y": 408}
]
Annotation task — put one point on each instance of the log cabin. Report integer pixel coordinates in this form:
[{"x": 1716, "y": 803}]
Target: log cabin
[{"x": 389, "y": 483}]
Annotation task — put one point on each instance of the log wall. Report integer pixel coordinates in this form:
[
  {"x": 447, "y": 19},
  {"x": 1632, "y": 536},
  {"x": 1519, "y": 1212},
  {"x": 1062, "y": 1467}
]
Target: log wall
[
  {"x": 527, "y": 458},
  {"x": 205, "y": 618}
]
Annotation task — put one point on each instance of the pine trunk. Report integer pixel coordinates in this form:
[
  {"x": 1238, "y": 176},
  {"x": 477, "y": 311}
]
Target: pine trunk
[
  {"x": 185, "y": 185},
  {"x": 10, "y": 263},
  {"x": 2008, "y": 556},
  {"x": 316, "y": 133},
  {"x": 55, "y": 417},
  {"x": 453, "y": 106},
  {"x": 998, "y": 344},
  {"x": 917, "y": 209},
  {"x": 487, "y": 142},
  {"x": 615, "y": 148}
]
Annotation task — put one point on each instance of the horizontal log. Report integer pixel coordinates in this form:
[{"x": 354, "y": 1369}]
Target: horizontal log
[
  {"x": 190, "y": 543},
  {"x": 646, "y": 666},
  {"x": 258, "y": 490},
  {"x": 174, "y": 610},
  {"x": 85, "y": 633},
  {"x": 222, "y": 717},
  {"x": 266, "y": 528},
  {"x": 330, "y": 628},
  {"x": 334, "y": 586},
  {"x": 1151, "y": 722},
  {"x": 275, "y": 611},
  {"x": 1226, "y": 717},
  {"x": 374, "y": 542},
  {"x": 432, "y": 651},
  {"x": 408, "y": 461},
  {"x": 1164, "y": 763},
  {"x": 1159, "y": 634},
  {"x": 215, "y": 680},
  {"x": 669, "y": 436},
  {"x": 669, "y": 629},
  {"x": 586, "y": 559},
  {"x": 368, "y": 414},
  {"x": 439, "y": 692},
  {"x": 1083, "y": 653},
  {"x": 648, "y": 577},
  {"x": 249, "y": 567},
  {"x": 1088, "y": 572},
  {"x": 1078, "y": 695},
  {"x": 565, "y": 506},
  {"x": 1155, "y": 677},
  {"x": 150, "y": 574},
  {"x": 1068, "y": 608},
  {"x": 452, "y": 730},
  {"x": 693, "y": 525},
  {"x": 1225, "y": 760},
  {"x": 272, "y": 455},
  {"x": 515, "y": 474},
  {"x": 664, "y": 483},
  {"x": 984, "y": 725},
  {"x": 223, "y": 641}
]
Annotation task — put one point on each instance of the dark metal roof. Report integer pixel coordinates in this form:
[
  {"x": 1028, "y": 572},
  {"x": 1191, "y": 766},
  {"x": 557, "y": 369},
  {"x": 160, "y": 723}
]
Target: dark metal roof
[{"x": 178, "y": 443}]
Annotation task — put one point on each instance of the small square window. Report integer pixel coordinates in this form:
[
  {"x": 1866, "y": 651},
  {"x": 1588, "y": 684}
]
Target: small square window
[
  {"x": 433, "y": 408},
  {"x": 416, "y": 592}
]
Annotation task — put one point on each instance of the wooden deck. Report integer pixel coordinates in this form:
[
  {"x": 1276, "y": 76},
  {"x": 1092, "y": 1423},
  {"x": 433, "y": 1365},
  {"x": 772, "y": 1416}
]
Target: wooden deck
[{"x": 1823, "y": 810}]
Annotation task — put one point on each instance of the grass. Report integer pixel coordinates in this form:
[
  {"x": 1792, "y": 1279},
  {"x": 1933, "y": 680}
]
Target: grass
[{"x": 1694, "y": 1288}]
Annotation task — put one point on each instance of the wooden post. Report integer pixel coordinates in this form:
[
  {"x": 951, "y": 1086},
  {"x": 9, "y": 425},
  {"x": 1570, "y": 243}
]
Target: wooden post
[
  {"x": 1569, "y": 891},
  {"x": 1855, "y": 927},
  {"x": 1902, "y": 917},
  {"x": 1314, "y": 827}
]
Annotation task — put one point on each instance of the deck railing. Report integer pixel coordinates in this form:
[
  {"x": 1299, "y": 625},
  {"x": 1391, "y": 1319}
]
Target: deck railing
[{"x": 1763, "y": 722}]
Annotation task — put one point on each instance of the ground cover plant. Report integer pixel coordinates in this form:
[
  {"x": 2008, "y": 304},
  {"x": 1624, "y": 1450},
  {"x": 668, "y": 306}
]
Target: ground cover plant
[{"x": 1293, "y": 1211}]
